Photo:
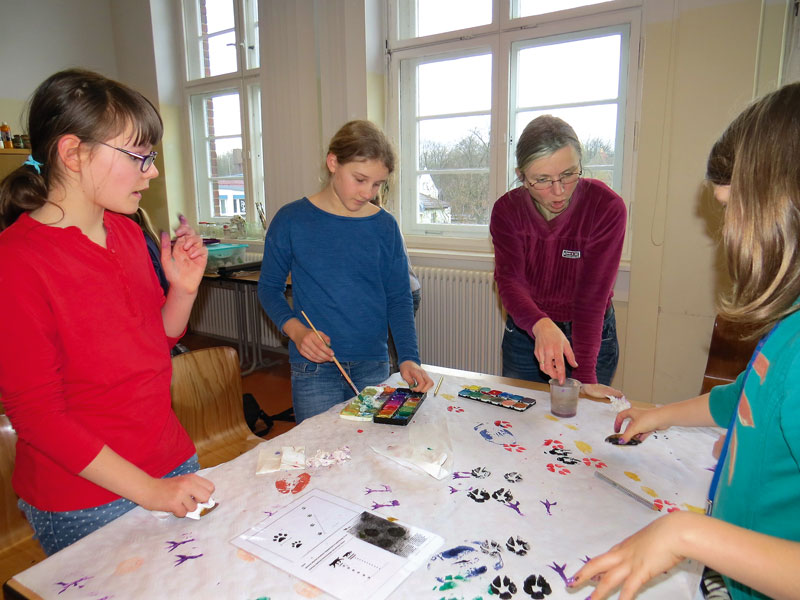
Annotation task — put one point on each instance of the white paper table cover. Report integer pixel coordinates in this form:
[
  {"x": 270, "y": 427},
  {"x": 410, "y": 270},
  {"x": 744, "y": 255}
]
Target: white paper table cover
[{"x": 561, "y": 511}]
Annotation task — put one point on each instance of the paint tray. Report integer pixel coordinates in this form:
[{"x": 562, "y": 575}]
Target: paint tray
[
  {"x": 496, "y": 397},
  {"x": 400, "y": 406}
]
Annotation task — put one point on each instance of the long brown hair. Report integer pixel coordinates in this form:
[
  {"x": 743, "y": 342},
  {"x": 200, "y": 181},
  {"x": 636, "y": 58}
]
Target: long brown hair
[
  {"x": 81, "y": 103},
  {"x": 762, "y": 218}
]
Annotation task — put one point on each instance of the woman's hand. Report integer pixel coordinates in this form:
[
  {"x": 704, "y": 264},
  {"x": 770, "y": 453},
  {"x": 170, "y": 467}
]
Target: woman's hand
[
  {"x": 415, "y": 376},
  {"x": 598, "y": 390},
  {"x": 637, "y": 559},
  {"x": 178, "y": 495},
  {"x": 551, "y": 348},
  {"x": 184, "y": 262}
]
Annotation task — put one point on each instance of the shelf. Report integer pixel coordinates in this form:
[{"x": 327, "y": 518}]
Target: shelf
[{"x": 15, "y": 151}]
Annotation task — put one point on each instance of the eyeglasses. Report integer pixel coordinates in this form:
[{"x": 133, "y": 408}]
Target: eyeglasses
[
  {"x": 147, "y": 159},
  {"x": 545, "y": 184}
]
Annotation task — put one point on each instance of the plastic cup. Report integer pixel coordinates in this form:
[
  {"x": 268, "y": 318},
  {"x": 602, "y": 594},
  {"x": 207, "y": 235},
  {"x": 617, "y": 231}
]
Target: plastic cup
[{"x": 564, "y": 397}]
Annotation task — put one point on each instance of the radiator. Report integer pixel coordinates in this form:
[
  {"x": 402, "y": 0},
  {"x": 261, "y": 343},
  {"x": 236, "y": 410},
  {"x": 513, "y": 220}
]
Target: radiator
[
  {"x": 460, "y": 321},
  {"x": 215, "y": 313}
]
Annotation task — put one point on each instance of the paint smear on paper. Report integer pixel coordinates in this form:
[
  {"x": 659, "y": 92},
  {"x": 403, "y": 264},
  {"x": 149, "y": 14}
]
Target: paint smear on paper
[
  {"x": 649, "y": 491},
  {"x": 573, "y": 427},
  {"x": 551, "y": 417},
  {"x": 129, "y": 565},
  {"x": 245, "y": 556},
  {"x": 632, "y": 475},
  {"x": 584, "y": 447},
  {"x": 694, "y": 509},
  {"x": 306, "y": 590}
]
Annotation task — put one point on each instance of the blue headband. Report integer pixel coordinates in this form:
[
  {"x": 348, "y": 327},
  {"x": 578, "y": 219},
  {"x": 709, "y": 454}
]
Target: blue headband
[{"x": 34, "y": 163}]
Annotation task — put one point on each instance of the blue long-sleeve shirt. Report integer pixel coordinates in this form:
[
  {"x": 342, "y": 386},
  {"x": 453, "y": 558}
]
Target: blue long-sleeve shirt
[{"x": 349, "y": 275}]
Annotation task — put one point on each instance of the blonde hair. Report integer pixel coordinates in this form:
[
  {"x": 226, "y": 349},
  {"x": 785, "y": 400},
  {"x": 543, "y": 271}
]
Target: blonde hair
[{"x": 761, "y": 233}]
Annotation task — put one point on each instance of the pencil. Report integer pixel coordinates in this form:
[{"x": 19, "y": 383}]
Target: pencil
[
  {"x": 438, "y": 385},
  {"x": 341, "y": 369},
  {"x": 646, "y": 501}
]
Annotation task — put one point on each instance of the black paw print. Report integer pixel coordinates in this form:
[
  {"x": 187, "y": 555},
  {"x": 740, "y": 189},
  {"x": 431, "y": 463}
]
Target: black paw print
[
  {"x": 279, "y": 537},
  {"x": 536, "y": 587},
  {"x": 513, "y": 477},
  {"x": 505, "y": 588},
  {"x": 479, "y": 495},
  {"x": 297, "y": 544},
  {"x": 491, "y": 547},
  {"x": 481, "y": 472},
  {"x": 503, "y": 495},
  {"x": 518, "y": 545}
]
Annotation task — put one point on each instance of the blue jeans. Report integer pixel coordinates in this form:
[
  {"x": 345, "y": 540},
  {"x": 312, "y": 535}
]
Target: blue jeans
[
  {"x": 318, "y": 386},
  {"x": 520, "y": 363},
  {"x": 57, "y": 530}
]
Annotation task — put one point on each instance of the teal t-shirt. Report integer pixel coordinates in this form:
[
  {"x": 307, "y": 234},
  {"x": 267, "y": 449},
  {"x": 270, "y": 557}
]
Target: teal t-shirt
[{"x": 759, "y": 487}]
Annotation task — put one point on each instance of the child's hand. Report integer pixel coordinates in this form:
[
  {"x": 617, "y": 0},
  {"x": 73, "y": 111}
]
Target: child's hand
[
  {"x": 179, "y": 495},
  {"x": 643, "y": 422},
  {"x": 184, "y": 262},
  {"x": 314, "y": 349},
  {"x": 636, "y": 560},
  {"x": 415, "y": 376}
]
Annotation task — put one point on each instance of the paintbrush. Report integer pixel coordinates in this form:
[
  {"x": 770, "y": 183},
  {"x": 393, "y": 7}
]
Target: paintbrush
[
  {"x": 438, "y": 385},
  {"x": 341, "y": 369}
]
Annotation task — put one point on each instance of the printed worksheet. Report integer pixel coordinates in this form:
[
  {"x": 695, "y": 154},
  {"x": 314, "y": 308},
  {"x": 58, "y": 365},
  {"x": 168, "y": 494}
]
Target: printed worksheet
[{"x": 339, "y": 546}]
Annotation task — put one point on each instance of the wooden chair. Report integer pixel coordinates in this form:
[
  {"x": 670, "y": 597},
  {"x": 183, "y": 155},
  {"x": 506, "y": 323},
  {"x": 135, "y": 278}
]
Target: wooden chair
[
  {"x": 728, "y": 355},
  {"x": 207, "y": 397},
  {"x": 18, "y": 549}
]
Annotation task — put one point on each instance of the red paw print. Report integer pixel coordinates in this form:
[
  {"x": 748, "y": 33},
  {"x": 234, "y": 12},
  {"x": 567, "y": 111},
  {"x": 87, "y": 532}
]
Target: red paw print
[
  {"x": 660, "y": 504},
  {"x": 594, "y": 462},
  {"x": 455, "y": 409},
  {"x": 503, "y": 424},
  {"x": 554, "y": 443},
  {"x": 293, "y": 484},
  {"x": 558, "y": 469},
  {"x": 514, "y": 447}
]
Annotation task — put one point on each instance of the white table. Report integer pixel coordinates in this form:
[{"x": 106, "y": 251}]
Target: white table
[{"x": 561, "y": 511}]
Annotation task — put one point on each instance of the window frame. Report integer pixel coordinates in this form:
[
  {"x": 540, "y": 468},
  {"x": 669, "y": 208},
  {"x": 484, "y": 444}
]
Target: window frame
[
  {"x": 501, "y": 36},
  {"x": 246, "y": 83}
]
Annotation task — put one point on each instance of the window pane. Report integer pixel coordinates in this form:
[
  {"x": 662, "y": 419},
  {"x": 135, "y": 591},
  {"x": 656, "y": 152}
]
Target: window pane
[
  {"x": 455, "y": 86},
  {"x": 528, "y": 8},
  {"x": 454, "y": 143},
  {"x": 222, "y": 115},
  {"x": 225, "y": 157},
  {"x": 221, "y": 54},
  {"x": 218, "y": 15},
  {"x": 418, "y": 18},
  {"x": 569, "y": 72},
  {"x": 251, "y": 34},
  {"x": 229, "y": 197}
]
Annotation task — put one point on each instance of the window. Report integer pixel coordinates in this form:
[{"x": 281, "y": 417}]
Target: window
[
  {"x": 224, "y": 98},
  {"x": 463, "y": 89}
]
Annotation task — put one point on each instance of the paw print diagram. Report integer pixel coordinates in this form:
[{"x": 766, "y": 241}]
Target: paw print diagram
[
  {"x": 536, "y": 587},
  {"x": 280, "y": 537},
  {"x": 480, "y": 472},
  {"x": 503, "y": 587},
  {"x": 479, "y": 495},
  {"x": 297, "y": 544},
  {"x": 513, "y": 477},
  {"x": 558, "y": 469},
  {"x": 518, "y": 546},
  {"x": 503, "y": 495}
]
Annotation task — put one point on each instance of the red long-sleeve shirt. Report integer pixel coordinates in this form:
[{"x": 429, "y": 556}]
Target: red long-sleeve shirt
[
  {"x": 564, "y": 268},
  {"x": 84, "y": 359}
]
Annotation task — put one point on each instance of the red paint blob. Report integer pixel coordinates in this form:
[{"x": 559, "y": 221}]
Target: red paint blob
[{"x": 360, "y": 431}]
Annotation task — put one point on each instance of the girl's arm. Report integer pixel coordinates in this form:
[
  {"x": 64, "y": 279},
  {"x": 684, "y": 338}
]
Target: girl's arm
[
  {"x": 764, "y": 563},
  {"x": 178, "y": 495},
  {"x": 184, "y": 263}
]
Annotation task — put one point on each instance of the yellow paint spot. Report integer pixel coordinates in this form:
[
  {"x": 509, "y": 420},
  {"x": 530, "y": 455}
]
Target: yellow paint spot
[
  {"x": 551, "y": 417},
  {"x": 632, "y": 475},
  {"x": 573, "y": 427},
  {"x": 695, "y": 509},
  {"x": 448, "y": 397},
  {"x": 392, "y": 519},
  {"x": 584, "y": 447},
  {"x": 129, "y": 566},
  {"x": 307, "y": 590},
  {"x": 245, "y": 556},
  {"x": 649, "y": 491}
]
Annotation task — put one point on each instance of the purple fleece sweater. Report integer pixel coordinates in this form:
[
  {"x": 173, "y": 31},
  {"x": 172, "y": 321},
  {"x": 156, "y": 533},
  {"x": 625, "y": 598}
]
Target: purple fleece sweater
[{"x": 563, "y": 269}]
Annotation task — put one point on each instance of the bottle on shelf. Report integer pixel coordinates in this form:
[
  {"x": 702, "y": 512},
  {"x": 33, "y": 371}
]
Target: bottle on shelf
[{"x": 5, "y": 133}]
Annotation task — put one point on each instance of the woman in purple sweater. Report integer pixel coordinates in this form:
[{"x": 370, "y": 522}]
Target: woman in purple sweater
[{"x": 557, "y": 243}]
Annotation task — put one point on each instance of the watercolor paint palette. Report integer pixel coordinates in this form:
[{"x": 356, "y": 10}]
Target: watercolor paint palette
[
  {"x": 365, "y": 406},
  {"x": 496, "y": 397},
  {"x": 400, "y": 406}
]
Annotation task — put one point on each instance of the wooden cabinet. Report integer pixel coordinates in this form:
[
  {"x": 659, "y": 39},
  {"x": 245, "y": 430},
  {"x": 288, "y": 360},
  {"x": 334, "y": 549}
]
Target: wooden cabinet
[{"x": 11, "y": 158}]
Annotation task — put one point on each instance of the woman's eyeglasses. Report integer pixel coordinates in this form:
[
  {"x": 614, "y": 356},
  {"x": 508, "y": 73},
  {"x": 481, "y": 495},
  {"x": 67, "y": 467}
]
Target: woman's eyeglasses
[
  {"x": 147, "y": 159},
  {"x": 545, "y": 184}
]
